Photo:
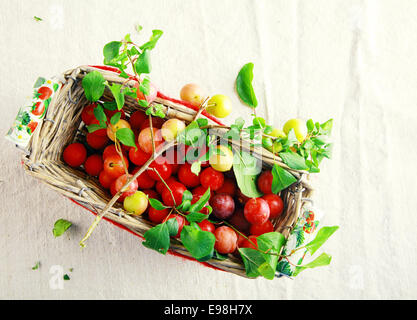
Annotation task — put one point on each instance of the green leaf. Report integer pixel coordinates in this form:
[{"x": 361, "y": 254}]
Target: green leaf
[
  {"x": 157, "y": 238},
  {"x": 94, "y": 127},
  {"x": 199, "y": 243},
  {"x": 172, "y": 225},
  {"x": 99, "y": 114},
  {"x": 187, "y": 195},
  {"x": 219, "y": 256},
  {"x": 246, "y": 169},
  {"x": 60, "y": 227},
  {"x": 293, "y": 160},
  {"x": 126, "y": 136},
  {"x": 200, "y": 203},
  {"x": 252, "y": 260},
  {"x": 138, "y": 28},
  {"x": 111, "y": 50},
  {"x": 144, "y": 86},
  {"x": 143, "y": 64},
  {"x": 156, "y": 204},
  {"x": 115, "y": 118},
  {"x": 66, "y": 277},
  {"x": 36, "y": 266},
  {"x": 196, "y": 217},
  {"x": 110, "y": 105},
  {"x": 323, "y": 260},
  {"x": 116, "y": 90},
  {"x": 274, "y": 240},
  {"x": 327, "y": 127},
  {"x": 310, "y": 126},
  {"x": 37, "y": 18},
  {"x": 40, "y": 81},
  {"x": 244, "y": 85},
  {"x": 93, "y": 84},
  {"x": 196, "y": 167},
  {"x": 322, "y": 235},
  {"x": 156, "y": 34},
  {"x": 281, "y": 179}
]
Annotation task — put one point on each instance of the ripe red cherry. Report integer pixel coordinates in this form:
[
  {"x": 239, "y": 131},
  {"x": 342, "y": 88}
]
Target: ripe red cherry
[
  {"x": 117, "y": 184},
  {"x": 113, "y": 165},
  {"x": 96, "y": 141},
  {"x": 177, "y": 189},
  {"x": 93, "y": 165},
  {"x": 239, "y": 221},
  {"x": 265, "y": 182},
  {"x": 151, "y": 193},
  {"x": 187, "y": 177},
  {"x": 256, "y": 211},
  {"x": 275, "y": 203},
  {"x": 258, "y": 229},
  {"x": 137, "y": 119},
  {"x": 251, "y": 243},
  {"x": 162, "y": 166},
  {"x": 99, "y": 132},
  {"x": 229, "y": 187},
  {"x": 111, "y": 151},
  {"x": 105, "y": 179},
  {"x": 87, "y": 115},
  {"x": 75, "y": 154},
  {"x": 144, "y": 181},
  {"x": 160, "y": 186},
  {"x": 111, "y": 113},
  {"x": 240, "y": 240},
  {"x": 211, "y": 178},
  {"x": 206, "y": 225},
  {"x": 138, "y": 156},
  {"x": 157, "y": 122},
  {"x": 157, "y": 216},
  {"x": 223, "y": 205},
  {"x": 180, "y": 220},
  {"x": 241, "y": 197},
  {"x": 145, "y": 139},
  {"x": 226, "y": 240}
]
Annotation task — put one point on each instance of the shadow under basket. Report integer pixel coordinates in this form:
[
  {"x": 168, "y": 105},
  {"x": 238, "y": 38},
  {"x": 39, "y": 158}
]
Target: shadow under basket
[{"x": 62, "y": 125}]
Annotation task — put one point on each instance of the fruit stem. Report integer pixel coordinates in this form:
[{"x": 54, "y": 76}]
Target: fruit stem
[
  {"x": 119, "y": 151},
  {"x": 152, "y": 138},
  {"x": 166, "y": 185}
]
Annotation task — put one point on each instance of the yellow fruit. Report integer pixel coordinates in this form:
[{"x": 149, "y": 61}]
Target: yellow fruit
[
  {"x": 277, "y": 133},
  {"x": 219, "y": 106},
  {"x": 137, "y": 203},
  {"x": 111, "y": 129},
  {"x": 299, "y": 127},
  {"x": 192, "y": 93},
  {"x": 171, "y": 128},
  {"x": 223, "y": 161}
]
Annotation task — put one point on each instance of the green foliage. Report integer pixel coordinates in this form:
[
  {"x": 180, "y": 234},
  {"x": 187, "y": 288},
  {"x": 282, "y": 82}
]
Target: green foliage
[
  {"x": 246, "y": 169},
  {"x": 282, "y": 179},
  {"x": 93, "y": 84},
  {"x": 126, "y": 136},
  {"x": 244, "y": 85},
  {"x": 322, "y": 235},
  {"x": 157, "y": 238},
  {"x": 199, "y": 243},
  {"x": 60, "y": 227}
]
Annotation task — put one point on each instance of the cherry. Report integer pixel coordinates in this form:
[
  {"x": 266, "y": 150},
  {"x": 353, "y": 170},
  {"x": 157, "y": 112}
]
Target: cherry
[
  {"x": 241, "y": 197},
  {"x": 96, "y": 141},
  {"x": 151, "y": 193},
  {"x": 187, "y": 177},
  {"x": 226, "y": 240},
  {"x": 145, "y": 139},
  {"x": 111, "y": 113},
  {"x": 157, "y": 122},
  {"x": 211, "y": 178},
  {"x": 75, "y": 154},
  {"x": 265, "y": 182},
  {"x": 258, "y": 229},
  {"x": 93, "y": 165},
  {"x": 251, "y": 243},
  {"x": 99, "y": 132},
  {"x": 111, "y": 150},
  {"x": 223, "y": 205},
  {"x": 206, "y": 225},
  {"x": 162, "y": 166},
  {"x": 229, "y": 187},
  {"x": 87, "y": 115},
  {"x": 117, "y": 184},
  {"x": 157, "y": 216},
  {"x": 113, "y": 165},
  {"x": 177, "y": 189},
  {"x": 240, "y": 240},
  {"x": 180, "y": 220},
  {"x": 239, "y": 221},
  {"x": 137, "y": 156},
  {"x": 160, "y": 186},
  {"x": 137, "y": 119},
  {"x": 144, "y": 181},
  {"x": 105, "y": 179},
  {"x": 275, "y": 203},
  {"x": 256, "y": 211}
]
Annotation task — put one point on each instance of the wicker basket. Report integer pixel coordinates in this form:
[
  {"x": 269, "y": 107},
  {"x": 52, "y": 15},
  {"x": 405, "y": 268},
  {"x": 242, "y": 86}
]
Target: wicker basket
[{"x": 62, "y": 125}]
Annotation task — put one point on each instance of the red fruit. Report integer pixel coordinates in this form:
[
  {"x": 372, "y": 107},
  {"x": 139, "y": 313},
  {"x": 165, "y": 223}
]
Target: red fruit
[
  {"x": 44, "y": 93},
  {"x": 117, "y": 185},
  {"x": 96, "y": 141},
  {"x": 239, "y": 221},
  {"x": 275, "y": 203},
  {"x": 251, "y": 243},
  {"x": 113, "y": 165},
  {"x": 211, "y": 178},
  {"x": 111, "y": 150},
  {"x": 38, "y": 108},
  {"x": 145, "y": 139},
  {"x": 161, "y": 165},
  {"x": 241, "y": 197},
  {"x": 105, "y": 179},
  {"x": 138, "y": 157},
  {"x": 223, "y": 205},
  {"x": 137, "y": 119},
  {"x": 187, "y": 177},
  {"x": 93, "y": 165},
  {"x": 99, "y": 132},
  {"x": 265, "y": 182},
  {"x": 256, "y": 211},
  {"x": 111, "y": 113},
  {"x": 240, "y": 240},
  {"x": 258, "y": 229},
  {"x": 157, "y": 216},
  {"x": 229, "y": 187},
  {"x": 177, "y": 189},
  {"x": 157, "y": 122},
  {"x": 226, "y": 240},
  {"x": 160, "y": 186},
  {"x": 151, "y": 193},
  {"x": 87, "y": 115},
  {"x": 75, "y": 154},
  {"x": 206, "y": 225},
  {"x": 180, "y": 220},
  {"x": 144, "y": 181}
]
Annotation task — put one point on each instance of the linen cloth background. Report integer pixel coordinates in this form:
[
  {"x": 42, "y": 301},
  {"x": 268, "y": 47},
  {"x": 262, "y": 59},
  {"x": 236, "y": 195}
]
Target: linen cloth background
[{"x": 354, "y": 61}]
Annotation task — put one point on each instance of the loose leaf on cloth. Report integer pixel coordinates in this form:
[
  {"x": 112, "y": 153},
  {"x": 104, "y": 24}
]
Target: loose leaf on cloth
[
  {"x": 60, "y": 227},
  {"x": 281, "y": 179},
  {"x": 246, "y": 169},
  {"x": 93, "y": 84},
  {"x": 244, "y": 85},
  {"x": 322, "y": 260}
]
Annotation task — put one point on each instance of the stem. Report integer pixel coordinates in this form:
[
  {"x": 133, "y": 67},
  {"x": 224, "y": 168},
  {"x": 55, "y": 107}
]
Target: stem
[
  {"x": 166, "y": 185},
  {"x": 152, "y": 137},
  {"x": 203, "y": 106},
  {"x": 119, "y": 151}
]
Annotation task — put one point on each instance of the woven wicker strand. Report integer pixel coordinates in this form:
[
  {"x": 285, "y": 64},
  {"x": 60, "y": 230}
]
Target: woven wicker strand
[{"x": 62, "y": 126}]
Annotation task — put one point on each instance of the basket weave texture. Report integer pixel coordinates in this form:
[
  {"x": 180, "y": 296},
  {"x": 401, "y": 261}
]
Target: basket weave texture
[{"x": 62, "y": 125}]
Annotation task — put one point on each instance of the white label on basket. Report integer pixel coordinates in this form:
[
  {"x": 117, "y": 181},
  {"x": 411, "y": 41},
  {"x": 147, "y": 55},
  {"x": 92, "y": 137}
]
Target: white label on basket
[{"x": 32, "y": 112}]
